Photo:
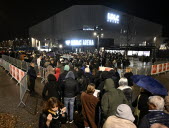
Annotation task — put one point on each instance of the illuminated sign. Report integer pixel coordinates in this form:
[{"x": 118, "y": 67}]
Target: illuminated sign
[
  {"x": 88, "y": 28},
  {"x": 113, "y": 18},
  {"x": 79, "y": 42}
]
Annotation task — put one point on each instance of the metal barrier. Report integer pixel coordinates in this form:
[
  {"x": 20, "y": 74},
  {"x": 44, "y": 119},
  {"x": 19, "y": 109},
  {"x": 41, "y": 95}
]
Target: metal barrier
[
  {"x": 23, "y": 88},
  {"x": 25, "y": 66}
]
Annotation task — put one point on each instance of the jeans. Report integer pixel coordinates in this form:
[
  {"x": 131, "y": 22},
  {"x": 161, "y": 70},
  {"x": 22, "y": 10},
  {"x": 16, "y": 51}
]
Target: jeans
[{"x": 70, "y": 102}]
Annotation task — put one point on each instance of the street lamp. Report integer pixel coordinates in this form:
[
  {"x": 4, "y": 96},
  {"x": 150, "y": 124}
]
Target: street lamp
[
  {"x": 98, "y": 35},
  {"x": 60, "y": 46}
]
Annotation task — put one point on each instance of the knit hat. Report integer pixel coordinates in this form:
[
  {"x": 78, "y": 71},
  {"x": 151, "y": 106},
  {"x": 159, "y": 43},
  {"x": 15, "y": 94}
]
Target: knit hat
[
  {"x": 124, "y": 111},
  {"x": 66, "y": 68},
  {"x": 87, "y": 70}
]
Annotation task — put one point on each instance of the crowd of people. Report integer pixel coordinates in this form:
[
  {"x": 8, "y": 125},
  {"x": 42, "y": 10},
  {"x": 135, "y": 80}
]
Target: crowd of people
[{"x": 103, "y": 98}]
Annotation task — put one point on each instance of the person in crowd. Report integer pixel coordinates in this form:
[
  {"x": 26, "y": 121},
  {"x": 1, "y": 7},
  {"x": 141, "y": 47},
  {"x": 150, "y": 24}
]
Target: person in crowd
[
  {"x": 111, "y": 99},
  {"x": 158, "y": 125},
  {"x": 49, "y": 70},
  {"x": 88, "y": 78},
  {"x": 63, "y": 75},
  {"x": 127, "y": 90},
  {"x": 51, "y": 88},
  {"x": 70, "y": 91},
  {"x": 57, "y": 73},
  {"x": 142, "y": 100},
  {"x": 123, "y": 118},
  {"x": 60, "y": 65},
  {"x": 39, "y": 61},
  {"x": 52, "y": 63},
  {"x": 32, "y": 77},
  {"x": 89, "y": 106},
  {"x": 53, "y": 114},
  {"x": 47, "y": 61},
  {"x": 167, "y": 103},
  {"x": 128, "y": 75},
  {"x": 115, "y": 78},
  {"x": 156, "y": 113},
  {"x": 104, "y": 75}
]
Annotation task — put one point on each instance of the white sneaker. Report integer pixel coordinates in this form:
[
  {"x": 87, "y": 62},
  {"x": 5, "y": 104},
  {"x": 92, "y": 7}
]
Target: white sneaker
[{"x": 71, "y": 121}]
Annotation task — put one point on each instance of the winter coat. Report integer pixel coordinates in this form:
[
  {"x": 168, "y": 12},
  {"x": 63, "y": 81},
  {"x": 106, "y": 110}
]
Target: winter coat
[
  {"x": 55, "y": 123},
  {"x": 116, "y": 122},
  {"x": 57, "y": 74},
  {"x": 128, "y": 76},
  {"x": 127, "y": 92},
  {"x": 111, "y": 99},
  {"x": 89, "y": 106},
  {"x": 154, "y": 117},
  {"x": 49, "y": 70},
  {"x": 32, "y": 73},
  {"x": 142, "y": 103},
  {"x": 70, "y": 85},
  {"x": 52, "y": 89}
]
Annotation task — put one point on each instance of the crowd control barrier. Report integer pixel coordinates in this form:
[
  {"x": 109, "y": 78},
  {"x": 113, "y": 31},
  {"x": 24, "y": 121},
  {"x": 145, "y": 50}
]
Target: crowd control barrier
[
  {"x": 19, "y": 75},
  {"x": 159, "y": 68}
]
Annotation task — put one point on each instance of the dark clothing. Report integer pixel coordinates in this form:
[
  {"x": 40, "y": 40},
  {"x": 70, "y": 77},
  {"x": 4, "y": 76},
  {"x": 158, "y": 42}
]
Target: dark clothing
[
  {"x": 154, "y": 117},
  {"x": 32, "y": 77},
  {"x": 70, "y": 86},
  {"x": 56, "y": 121},
  {"x": 53, "y": 90},
  {"x": 128, "y": 76},
  {"x": 142, "y": 104},
  {"x": 62, "y": 76}
]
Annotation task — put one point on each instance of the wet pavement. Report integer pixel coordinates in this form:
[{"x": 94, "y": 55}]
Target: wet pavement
[{"x": 27, "y": 117}]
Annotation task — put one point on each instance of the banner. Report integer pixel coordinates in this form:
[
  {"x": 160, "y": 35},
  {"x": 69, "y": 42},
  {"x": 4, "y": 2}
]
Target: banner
[
  {"x": 10, "y": 69},
  {"x": 17, "y": 74},
  {"x": 21, "y": 74},
  {"x": 153, "y": 69},
  {"x": 164, "y": 67},
  {"x": 13, "y": 71},
  {"x": 167, "y": 66},
  {"x": 160, "y": 68}
]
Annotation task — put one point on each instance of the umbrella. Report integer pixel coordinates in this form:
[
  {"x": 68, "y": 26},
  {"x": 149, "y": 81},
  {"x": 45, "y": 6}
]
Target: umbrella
[
  {"x": 136, "y": 78},
  {"x": 150, "y": 84}
]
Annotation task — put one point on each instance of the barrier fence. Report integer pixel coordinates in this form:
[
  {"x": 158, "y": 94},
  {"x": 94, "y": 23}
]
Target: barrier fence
[
  {"x": 19, "y": 75},
  {"x": 159, "y": 68}
]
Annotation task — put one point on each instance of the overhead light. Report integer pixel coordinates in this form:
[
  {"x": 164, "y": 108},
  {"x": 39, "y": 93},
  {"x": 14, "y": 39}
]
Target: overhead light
[{"x": 94, "y": 33}]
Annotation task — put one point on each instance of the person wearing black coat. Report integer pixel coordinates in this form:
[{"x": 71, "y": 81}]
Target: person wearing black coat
[
  {"x": 156, "y": 113},
  {"x": 53, "y": 114},
  {"x": 52, "y": 88},
  {"x": 70, "y": 91},
  {"x": 128, "y": 75},
  {"x": 32, "y": 77}
]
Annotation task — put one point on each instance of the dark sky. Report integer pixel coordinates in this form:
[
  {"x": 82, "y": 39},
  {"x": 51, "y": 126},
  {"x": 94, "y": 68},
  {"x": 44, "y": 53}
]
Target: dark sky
[{"x": 17, "y": 16}]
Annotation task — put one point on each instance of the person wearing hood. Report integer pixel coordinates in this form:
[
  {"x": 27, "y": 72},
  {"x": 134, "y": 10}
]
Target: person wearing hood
[
  {"x": 63, "y": 75},
  {"x": 111, "y": 99},
  {"x": 70, "y": 91},
  {"x": 122, "y": 119}
]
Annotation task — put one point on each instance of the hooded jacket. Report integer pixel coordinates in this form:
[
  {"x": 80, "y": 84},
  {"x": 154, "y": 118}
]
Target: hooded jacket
[
  {"x": 111, "y": 99},
  {"x": 57, "y": 70},
  {"x": 70, "y": 85}
]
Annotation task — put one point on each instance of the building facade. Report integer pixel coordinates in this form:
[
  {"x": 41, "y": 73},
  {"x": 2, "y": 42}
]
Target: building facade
[{"x": 93, "y": 26}]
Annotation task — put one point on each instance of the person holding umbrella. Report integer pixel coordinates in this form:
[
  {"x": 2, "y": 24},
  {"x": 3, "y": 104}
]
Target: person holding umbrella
[
  {"x": 149, "y": 86},
  {"x": 156, "y": 114}
]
